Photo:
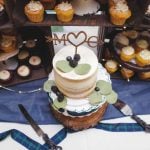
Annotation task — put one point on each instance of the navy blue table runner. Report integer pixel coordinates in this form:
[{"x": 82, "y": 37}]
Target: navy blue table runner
[{"x": 135, "y": 93}]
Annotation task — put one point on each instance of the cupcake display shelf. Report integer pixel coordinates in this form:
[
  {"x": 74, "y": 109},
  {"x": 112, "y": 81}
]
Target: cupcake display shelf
[
  {"x": 132, "y": 43},
  {"x": 22, "y": 18},
  {"x": 100, "y": 19},
  {"x": 122, "y": 42},
  {"x": 36, "y": 75}
]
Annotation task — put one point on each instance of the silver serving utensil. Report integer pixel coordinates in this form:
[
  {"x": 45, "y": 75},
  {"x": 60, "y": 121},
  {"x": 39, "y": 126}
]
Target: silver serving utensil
[
  {"x": 126, "y": 110},
  {"x": 38, "y": 130}
]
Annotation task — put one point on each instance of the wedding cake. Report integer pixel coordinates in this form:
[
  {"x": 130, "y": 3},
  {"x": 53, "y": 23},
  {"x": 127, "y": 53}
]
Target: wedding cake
[{"x": 79, "y": 88}]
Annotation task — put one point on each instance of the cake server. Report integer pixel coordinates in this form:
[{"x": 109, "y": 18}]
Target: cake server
[
  {"x": 38, "y": 130},
  {"x": 127, "y": 111}
]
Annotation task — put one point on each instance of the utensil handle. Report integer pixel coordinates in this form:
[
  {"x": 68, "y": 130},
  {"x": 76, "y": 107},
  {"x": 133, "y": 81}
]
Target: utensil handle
[
  {"x": 139, "y": 121},
  {"x": 51, "y": 144}
]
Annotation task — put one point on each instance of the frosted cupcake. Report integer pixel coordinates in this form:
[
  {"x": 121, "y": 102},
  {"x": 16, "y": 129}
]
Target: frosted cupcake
[
  {"x": 143, "y": 58},
  {"x": 127, "y": 73},
  {"x": 141, "y": 45},
  {"x": 111, "y": 66},
  {"x": 34, "y": 10},
  {"x": 119, "y": 13},
  {"x": 114, "y": 2},
  {"x": 127, "y": 53},
  {"x": 64, "y": 12}
]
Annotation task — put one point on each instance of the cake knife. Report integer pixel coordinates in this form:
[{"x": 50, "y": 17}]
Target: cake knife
[
  {"x": 127, "y": 111},
  {"x": 38, "y": 130}
]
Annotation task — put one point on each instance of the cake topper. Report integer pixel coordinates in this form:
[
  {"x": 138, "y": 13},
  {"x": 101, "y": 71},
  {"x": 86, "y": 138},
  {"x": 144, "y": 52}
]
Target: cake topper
[
  {"x": 73, "y": 39},
  {"x": 92, "y": 41}
]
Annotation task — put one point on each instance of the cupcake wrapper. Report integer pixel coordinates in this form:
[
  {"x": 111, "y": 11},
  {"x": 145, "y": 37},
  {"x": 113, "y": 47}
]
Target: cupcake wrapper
[{"x": 35, "y": 17}]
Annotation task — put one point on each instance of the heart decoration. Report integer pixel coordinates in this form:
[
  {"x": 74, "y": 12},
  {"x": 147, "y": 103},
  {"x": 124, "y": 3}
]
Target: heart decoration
[{"x": 73, "y": 38}]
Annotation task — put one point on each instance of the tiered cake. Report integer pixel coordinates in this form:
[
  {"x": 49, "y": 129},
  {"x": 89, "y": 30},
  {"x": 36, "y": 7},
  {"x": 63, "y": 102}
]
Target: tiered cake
[{"x": 78, "y": 88}]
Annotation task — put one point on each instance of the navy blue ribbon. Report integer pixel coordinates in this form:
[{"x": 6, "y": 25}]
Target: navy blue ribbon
[{"x": 62, "y": 134}]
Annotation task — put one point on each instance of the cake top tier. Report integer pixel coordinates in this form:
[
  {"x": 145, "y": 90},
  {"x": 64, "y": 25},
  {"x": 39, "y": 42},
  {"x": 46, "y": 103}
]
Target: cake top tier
[{"x": 87, "y": 57}]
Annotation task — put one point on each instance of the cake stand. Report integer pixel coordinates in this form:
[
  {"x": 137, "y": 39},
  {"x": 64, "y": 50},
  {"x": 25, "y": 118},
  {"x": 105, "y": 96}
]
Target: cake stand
[
  {"x": 79, "y": 114},
  {"x": 83, "y": 7}
]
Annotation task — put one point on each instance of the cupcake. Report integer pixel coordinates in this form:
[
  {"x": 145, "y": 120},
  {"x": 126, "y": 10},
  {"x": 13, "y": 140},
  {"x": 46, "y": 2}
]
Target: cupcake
[
  {"x": 141, "y": 44},
  {"x": 11, "y": 64},
  {"x": 121, "y": 41},
  {"x": 126, "y": 73},
  {"x": 34, "y": 11},
  {"x": 119, "y": 13},
  {"x": 143, "y": 58},
  {"x": 23, "y": 71},
  {"x": 3, "y": 15},
  {"x": 132, "y": 34},
  {"x": 30, "y": 44},
  {"x": 114, "y": 2},
  {"x": 7, "y": 45},
  {"x": 35, "y": 62},
  {"x": 127, "y": 53},
  {"x": 5, "y": 76},
  {"x": 144, "y": 75},
  {"x": 111, "y": 66},
  {"x": 23, "y": 56},
  {"x": 64, "y": 12}
]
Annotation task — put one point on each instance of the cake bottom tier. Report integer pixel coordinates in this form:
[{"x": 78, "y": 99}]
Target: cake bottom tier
[{"x": 80, "y": 123}]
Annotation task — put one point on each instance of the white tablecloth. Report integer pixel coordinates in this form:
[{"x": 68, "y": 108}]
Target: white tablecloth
[{"x": 91, "y": 139}]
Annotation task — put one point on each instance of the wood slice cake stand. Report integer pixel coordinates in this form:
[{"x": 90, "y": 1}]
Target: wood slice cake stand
[{"x": 80, "y": 123}]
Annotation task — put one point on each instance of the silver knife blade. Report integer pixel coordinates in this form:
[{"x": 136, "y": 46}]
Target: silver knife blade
[
  {"x": 123, "y": 108},
  {"x": 37, "y": 129}
]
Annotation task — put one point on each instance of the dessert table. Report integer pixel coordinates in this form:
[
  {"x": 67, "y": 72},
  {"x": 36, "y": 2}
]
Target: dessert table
[{"x": 135, "y": 93}]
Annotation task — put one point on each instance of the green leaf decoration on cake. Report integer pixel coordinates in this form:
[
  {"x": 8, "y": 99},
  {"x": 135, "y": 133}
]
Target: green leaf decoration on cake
[
  {"x": 63, "y": 66},
  {"x": 95, "y": 98},
  {"x": 59, "y": 105},
  {"x": 105, "y": 87},
  {"x": 47, "y": 85},
  {"x": 82, "y": 69},
  {"x": 112, "y": 97}
]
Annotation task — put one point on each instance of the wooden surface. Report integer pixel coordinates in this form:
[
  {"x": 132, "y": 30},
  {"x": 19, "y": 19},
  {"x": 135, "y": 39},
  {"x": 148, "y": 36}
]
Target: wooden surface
[{"x": 36, "y": 74}]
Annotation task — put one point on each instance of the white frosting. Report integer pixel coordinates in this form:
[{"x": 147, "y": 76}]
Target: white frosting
[
  {"x": 83, "y": 105},
  {"x": 23, "y": 71},
  {"x": 148, "y": 10},
  {"x": 128, "y": 50},
  {"x": 1, "y": 7},
  {"x": 64, "y": 6},
  {"x": 35, "y": 60},
  {"x": 120, "y": 38},
  {"x": 111, "y": 64},
  {"x": 35, "y": 6},
  {"x": 4, "y": 75},
  {"x": 120, "y": 6},
  {"x": 116, "y": 1},
  {"x": 87, "y": 56},
  {"x": 145, "y": 54},
  {"x": 83, "y": 7}
]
